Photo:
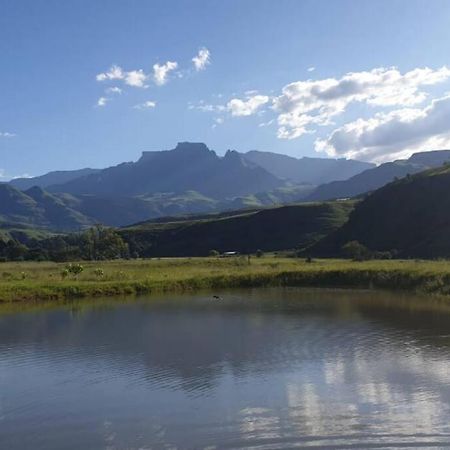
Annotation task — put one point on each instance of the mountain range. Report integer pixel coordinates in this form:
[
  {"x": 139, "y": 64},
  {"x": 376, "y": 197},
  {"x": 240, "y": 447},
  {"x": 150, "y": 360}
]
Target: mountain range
[
  {"x": 377, "y": 177},
  {"x": 314, "y": 171},
  {"x": 194, "y": 167},
  {"x": 191, "y": 179},
  {"x": 188, "y": 167}
]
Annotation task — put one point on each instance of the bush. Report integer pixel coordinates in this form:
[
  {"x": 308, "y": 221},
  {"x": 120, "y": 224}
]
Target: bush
[
  {"x": 259, "y": 253},
  {"x": 382, "y": 255},
  {"x": 75, "y": 269},
  {"x": 99, "y": 273},
  {"x": 214, "y": 253},
  {"x": 64, "y": 274}
]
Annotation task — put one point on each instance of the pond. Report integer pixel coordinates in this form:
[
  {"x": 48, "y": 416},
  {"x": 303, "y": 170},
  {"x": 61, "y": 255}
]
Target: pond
[{"x": 260, "y": 369}]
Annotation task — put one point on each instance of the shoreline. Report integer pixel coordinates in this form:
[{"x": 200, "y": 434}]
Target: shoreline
[{"x": 33, "y": 282}]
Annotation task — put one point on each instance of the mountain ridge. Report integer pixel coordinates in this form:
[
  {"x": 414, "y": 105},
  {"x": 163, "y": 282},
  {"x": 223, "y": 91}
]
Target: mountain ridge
[
  {"x": 377, "y": 177},
  {"x": 187, "y": 167},
  {"x": 306, "y": 169}
]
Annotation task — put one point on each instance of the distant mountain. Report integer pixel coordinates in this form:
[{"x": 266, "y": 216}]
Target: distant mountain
[
  {"x": 188, "y": 167},
  {"x": 411, "y": 215},
  {"x": 39, "y": 209},
  {"x": 372, "y": 179},
  {"x": 306, "y": 170},
  {"x": 43, "y": 181},
  {"x": 280, "y": 228}
]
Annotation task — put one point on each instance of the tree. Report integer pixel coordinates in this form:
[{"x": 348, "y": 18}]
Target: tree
[
  {"x": 356, "y": 251},
  {"x": 259, "y": 253},
  {"x": 214, "y": 253},
  {"x": 15, "y": 251},
  {"x": 101, "y": 242}
]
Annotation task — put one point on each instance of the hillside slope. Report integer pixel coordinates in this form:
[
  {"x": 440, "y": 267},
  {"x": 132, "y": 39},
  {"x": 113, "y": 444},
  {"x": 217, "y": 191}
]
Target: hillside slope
[
  {"x": 39, "y": 209},
  {"x": 285, "y": 227},
  {"x": 377, "y": 177},
  {"x": 411, "y": 215}
]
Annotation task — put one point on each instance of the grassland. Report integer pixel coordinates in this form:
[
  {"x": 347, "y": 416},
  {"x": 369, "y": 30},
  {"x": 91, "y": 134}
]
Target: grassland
[{"x": 44, "y": 281}]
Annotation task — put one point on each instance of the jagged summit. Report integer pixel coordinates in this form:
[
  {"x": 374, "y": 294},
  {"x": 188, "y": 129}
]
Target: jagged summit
[
  {"x": 191, "y": 149},
  {"x": 190, "y": 166}
]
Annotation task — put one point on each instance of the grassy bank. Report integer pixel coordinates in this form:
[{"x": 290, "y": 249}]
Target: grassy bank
[{"x": 43, "y": 281}]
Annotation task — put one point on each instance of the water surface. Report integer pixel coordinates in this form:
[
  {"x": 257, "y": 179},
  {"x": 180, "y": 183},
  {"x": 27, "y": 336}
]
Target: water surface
[{"x": 260, "y": 369}]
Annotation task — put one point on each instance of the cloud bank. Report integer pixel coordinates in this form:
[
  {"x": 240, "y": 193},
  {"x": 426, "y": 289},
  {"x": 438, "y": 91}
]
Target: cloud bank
[
  {"x": 303, "y": 103},
  {"x": 399, "y": 124},
  {"x": 398, "y": 133}
]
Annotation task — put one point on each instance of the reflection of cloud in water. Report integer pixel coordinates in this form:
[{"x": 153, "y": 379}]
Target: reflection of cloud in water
[
  {"x": 258, "y": 423},
  {"x": 323, "y": 371},
  {"x": 334, "y": 371}
]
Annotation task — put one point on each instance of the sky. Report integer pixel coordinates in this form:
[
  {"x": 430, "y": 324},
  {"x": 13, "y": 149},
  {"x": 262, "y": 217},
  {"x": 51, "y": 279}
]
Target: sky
[{"x": 94, "y": 83}]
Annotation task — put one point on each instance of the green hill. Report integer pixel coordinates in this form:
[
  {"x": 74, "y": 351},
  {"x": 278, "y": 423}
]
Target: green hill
[
  {"x": 411, "y": 215},
  {"x": 36, "y": 208},
  {"x": 280, "y": 228}
]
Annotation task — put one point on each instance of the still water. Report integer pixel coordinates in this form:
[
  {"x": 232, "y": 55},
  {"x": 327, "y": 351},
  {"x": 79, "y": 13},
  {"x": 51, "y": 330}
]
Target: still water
[{"x": 260, "y": 369}]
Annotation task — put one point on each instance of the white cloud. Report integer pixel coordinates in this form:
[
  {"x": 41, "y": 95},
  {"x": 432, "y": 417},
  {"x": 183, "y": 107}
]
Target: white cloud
[
  {"x": 303, "y": 103},
  {"x": 135, "y": 78},
  {"x": 149, "y": 104},
  {"x": 218, "y": 121},
  {"x": 400, "y": 124},
  {"x": 114, "y": 73},
  {"x": 211, "y": 108},
  {"x": 5, "y": 176},
  {"x": 397, "y": 134},
  {"x": 266, "y": 124},
  {"x": 311, "y": 69},
  {"x": 202, "y": 59},
  {"x": 114, "y": 90},
  {"x": 161, "y": 72},
  {"x": 6, "y": 134},
  {"x": 251, "y": 105},
  {"x": 102, "y": 101}
]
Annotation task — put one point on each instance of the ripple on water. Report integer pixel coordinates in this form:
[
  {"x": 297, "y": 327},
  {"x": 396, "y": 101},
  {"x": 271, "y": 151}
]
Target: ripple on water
[{"x": 315, "y": 369}]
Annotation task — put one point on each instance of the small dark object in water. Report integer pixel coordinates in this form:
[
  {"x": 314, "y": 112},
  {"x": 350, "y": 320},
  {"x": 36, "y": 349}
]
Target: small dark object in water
[{"x": 216, "y": 297}]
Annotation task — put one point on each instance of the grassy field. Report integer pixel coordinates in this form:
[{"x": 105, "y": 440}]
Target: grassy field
[{"x": 43, "y": 281}]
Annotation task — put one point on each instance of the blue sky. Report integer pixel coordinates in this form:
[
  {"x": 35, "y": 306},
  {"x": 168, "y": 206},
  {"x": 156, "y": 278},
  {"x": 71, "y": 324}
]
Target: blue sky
[{"x": 378, "y": 79}]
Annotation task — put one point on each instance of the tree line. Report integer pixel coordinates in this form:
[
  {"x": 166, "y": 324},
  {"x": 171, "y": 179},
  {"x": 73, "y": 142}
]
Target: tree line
[{"x": 97, "y": 243}]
